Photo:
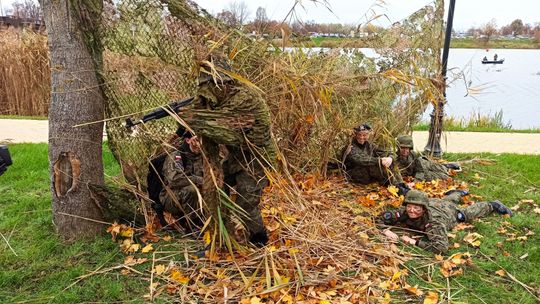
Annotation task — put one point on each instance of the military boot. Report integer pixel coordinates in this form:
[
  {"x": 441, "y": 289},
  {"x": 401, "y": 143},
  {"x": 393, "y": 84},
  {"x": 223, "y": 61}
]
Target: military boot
[
  {"x": 453, "y": 166},
  {"x": 500, "y": 208}
]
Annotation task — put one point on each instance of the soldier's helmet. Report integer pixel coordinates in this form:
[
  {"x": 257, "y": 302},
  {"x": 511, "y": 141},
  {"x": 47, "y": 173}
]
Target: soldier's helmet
[
  {"x": 416, "y": 197},
  {"x": 405, "y": 141},
  {"x": 214, "y": 70},
  {"x": 362, "y": 127}
]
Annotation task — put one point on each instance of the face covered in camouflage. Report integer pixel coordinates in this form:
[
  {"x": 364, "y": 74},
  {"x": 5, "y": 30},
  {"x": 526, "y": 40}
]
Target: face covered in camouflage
[{"x": 415, "y": 211}]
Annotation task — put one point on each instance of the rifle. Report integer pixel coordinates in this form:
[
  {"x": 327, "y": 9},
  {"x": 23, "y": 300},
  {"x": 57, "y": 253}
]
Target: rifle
[
  {"x": 160, "y": 112},
  {"x": 5, "y": 159}
]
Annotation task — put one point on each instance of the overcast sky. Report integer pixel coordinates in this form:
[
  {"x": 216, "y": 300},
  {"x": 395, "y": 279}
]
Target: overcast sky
[{"x": 468, "y": 13}]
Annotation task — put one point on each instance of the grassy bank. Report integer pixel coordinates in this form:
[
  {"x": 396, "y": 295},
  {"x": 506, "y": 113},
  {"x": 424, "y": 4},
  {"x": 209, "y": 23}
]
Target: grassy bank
[
  {"x": 37, "y": 267},
  {"x": 466, "y": 43}
]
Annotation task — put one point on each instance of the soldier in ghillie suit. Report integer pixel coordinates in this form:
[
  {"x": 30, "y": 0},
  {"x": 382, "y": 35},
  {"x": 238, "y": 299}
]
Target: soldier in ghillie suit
[
  {"x": 236, "y": 115},
  {"x": 434, "y": 218},
  {"x": 412, "y": 163},
  {"x": 365, "y": 163},
  {"x": 182, "y": 173}
]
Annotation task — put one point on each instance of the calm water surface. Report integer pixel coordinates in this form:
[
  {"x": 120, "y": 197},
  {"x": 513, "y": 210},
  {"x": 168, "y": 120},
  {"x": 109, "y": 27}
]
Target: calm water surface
[{"x": 513, "y": 87}]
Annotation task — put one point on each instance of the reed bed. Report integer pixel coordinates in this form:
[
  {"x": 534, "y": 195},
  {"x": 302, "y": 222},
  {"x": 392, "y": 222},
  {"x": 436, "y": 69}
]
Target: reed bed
[{"x": 25, "y": 81}]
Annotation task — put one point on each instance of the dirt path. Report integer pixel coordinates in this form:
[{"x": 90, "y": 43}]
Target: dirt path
[{"x": 36, "y": 131}]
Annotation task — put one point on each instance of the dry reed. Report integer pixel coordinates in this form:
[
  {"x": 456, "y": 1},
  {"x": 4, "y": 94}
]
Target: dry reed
[{"x": 25, "y": 83}]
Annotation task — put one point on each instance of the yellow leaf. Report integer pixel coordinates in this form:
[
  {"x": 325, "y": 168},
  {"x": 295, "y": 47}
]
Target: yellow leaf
[
  {"x": 431, "y": 298},
  {"x": 159, "y": 269},
  {"x": 501, "y": 272},
  {"x": 147, "y": 248},
  {"x": 439, "y": 257},
  {"x": 324, "y": 302},
  {"x": 167, "y": 238},
  {"x": 127, "y": 232},
  {"x": 396, "y": 276},
  {"x": 255, "y": 300},
  {"x": 177, "y": 276},
  {"x": 207, "y": 239},
  {"x": 394, "y": 190},
  {"x": 293, "y": 251}
]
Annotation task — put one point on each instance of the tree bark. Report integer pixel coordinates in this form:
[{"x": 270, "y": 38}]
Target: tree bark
[{"x": 75, "y": 153}]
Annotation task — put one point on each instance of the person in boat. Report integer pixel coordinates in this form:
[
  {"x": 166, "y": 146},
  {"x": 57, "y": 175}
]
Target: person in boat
[
  {"x": 495, "y": 57},
  {"x": 485, "y": 58}
]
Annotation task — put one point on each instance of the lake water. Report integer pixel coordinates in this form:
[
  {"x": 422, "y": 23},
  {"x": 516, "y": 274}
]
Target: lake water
[{"x": 513, "y": 87}]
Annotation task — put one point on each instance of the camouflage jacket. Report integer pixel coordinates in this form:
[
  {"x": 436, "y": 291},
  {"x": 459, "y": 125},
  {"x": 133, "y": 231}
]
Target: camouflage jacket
[
  {"x": 238, "y": 118},
  {"x": 441, "y": 217},
  {"x": 357, "y": 155},
  {"x": 182, "y": 168},
  {"x": 421, "y": 168}
]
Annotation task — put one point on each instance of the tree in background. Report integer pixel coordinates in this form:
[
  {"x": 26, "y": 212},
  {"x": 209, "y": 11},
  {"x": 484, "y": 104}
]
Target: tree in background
[
  {"x": 27, "y": 9},
  {"x": 261, "y": 20},
  {"x": 488, "y": 30},
  {"x": 517, "y": 27},
  {"x": 75, "y": 153}
]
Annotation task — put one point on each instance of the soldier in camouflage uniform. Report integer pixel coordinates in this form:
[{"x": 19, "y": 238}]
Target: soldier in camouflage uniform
[
  {"x": 182, "y": 177},
  {"x": 434, "y": 218},
  {"x": 365, "y": 163},
  {"x": 236, "y": 115},
  {"x": 412, "y": 163}
]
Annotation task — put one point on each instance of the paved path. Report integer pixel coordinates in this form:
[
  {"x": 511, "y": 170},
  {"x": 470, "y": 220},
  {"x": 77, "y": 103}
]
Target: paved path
[{"x": 35, "y": 131}]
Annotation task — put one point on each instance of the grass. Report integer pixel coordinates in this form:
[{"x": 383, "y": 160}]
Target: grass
[
  {"x": 477, "y": 123},
  {"x": 44, "y": 266},
  {"x": 37, "y": 266},
  {"x": 466, "y": 43},
  {"x": 512, "y": 179},
  {"x": 23, "y": 117}
]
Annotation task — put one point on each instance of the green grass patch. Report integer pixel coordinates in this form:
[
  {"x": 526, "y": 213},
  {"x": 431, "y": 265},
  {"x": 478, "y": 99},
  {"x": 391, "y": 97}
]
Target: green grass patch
[
  {"x": 38, "y": 267},
  {"x": 512, "y": 179},
  {"x": 23, "y": 117}
]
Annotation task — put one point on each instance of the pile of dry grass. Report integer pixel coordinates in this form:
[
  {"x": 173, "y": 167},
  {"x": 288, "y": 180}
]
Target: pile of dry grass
[
  {"x": 323, "y": 247},
  {"x": 25, "y": 84}
]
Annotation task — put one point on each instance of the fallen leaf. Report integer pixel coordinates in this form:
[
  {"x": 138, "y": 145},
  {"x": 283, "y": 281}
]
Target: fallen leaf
[
  {"x": 159, "y": 269},
  {"x": 206, "y": 238},
  {"x": 147, "y": 248},
  {"x": 501, "y": 272},
  {"x": 177, "y": 276},
  {"x": 431, "y": 298},
  {"x": 414, "y": 290},
  {"x": 393, "y": 190}
]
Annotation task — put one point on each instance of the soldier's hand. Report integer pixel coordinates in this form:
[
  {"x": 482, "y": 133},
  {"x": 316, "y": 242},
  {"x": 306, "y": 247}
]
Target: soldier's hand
[
  {"x": 408, "y": 240},
  {"x": 391, "y": 235},
  {"x": 386, "y": 161}
]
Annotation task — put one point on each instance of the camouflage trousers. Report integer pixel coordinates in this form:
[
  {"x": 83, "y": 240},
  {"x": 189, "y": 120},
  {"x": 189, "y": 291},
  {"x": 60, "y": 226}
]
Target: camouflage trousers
[
  {"x": 428, "y": 170},
  {"x": 249, "y": 188},
  {"x": 184, "y": 206},
  {"x": 375, "y": 174},
  {"x": 472, "y": 212}
]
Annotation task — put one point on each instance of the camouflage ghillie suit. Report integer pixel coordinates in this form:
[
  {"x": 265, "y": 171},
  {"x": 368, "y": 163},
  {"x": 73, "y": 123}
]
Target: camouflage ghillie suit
[
  {"x": 363, "y": 165},
  {"x": 417, "y": 165},
  {"x": 182, "y": 175},
  {"x": 440, "y": 216},
  {"x": 237, "y": 116}
]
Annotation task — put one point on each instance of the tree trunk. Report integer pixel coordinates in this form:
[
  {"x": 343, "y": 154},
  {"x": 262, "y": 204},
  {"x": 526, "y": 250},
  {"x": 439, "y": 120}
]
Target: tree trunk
[{"x": 75, "y": 153}]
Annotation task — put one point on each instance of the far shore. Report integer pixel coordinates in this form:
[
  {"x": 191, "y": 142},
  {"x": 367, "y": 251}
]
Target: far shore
[{"x": 464, "y": 43}]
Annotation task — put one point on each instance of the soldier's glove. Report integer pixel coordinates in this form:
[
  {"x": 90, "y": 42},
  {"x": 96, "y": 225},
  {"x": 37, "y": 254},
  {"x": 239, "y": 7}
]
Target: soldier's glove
[
  {"x": 402, "y": 188},
  {"x": 461, "y": 192},
  {"x": 500, "y": 208}
]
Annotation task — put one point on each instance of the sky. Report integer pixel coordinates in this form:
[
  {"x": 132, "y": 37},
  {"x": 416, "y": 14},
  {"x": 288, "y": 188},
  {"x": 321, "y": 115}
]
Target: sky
[{"x": 468, "y": 13}]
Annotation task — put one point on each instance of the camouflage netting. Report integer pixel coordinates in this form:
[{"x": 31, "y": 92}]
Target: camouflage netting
[{"x": 152, "y": 50}]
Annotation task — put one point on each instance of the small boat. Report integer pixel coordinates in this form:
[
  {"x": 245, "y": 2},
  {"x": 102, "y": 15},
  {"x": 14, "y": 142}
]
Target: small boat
[{"x": 493, "y": 61}]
